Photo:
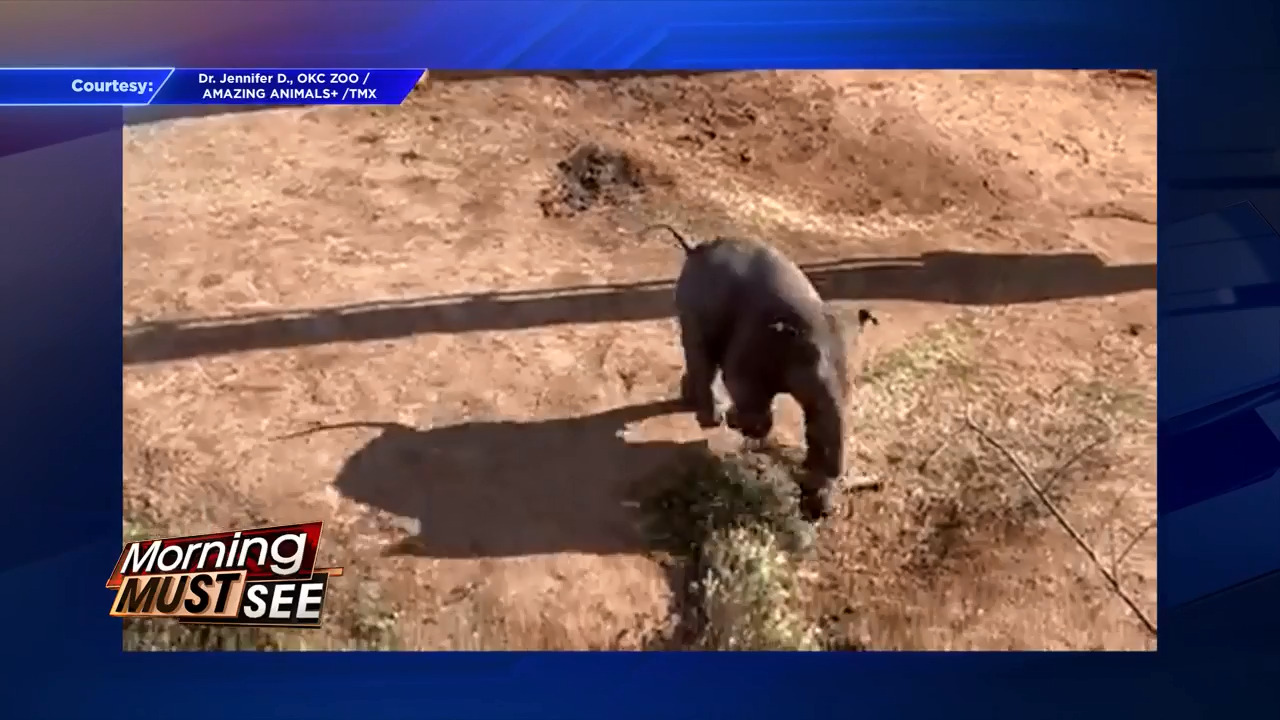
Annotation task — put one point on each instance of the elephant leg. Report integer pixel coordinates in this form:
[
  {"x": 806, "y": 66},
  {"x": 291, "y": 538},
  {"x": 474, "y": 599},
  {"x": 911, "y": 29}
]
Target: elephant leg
[
  {"x": 696, "y": 384},
  {"x": 751, "y": 409}
]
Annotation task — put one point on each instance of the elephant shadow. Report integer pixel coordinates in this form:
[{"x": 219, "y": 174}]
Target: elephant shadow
[{"x": 501, "y": 489}]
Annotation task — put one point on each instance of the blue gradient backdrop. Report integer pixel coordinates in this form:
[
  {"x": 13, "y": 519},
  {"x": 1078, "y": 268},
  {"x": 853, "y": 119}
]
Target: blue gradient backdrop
[{"x": 1219, "y": 274}]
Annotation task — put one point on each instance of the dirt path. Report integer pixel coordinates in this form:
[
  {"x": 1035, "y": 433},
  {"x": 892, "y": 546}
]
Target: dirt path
[{"x": 431, "y": 267}]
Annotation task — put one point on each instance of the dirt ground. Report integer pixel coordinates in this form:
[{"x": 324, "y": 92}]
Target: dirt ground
[{"x": 462, "y": 276}]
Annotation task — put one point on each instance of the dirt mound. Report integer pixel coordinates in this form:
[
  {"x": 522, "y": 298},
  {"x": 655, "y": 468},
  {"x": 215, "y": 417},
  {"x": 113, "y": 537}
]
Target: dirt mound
[
  {"x": 844, "y": 153},
  {"x": 590, "y": 175}
]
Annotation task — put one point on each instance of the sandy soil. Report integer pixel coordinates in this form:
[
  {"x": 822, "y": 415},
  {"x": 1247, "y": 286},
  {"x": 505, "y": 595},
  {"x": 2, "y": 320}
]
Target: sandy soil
[{"x": 450, "y": 274}]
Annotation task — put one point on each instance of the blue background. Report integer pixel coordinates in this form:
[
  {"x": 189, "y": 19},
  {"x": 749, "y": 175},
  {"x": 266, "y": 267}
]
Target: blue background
[{"x": 1219, "y": 275}]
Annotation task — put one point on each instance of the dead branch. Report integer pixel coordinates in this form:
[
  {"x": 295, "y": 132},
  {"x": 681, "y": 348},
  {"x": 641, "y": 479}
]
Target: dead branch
[
  {"x": 1075, "y": 458},
  {"x": 936, "y": 451},
  {"x": 1111, "y": 548},
  {"x": 1062, "y": 520},
  {"x": 1136, "y": 538},
  {"x": 1109, "y": 516}
]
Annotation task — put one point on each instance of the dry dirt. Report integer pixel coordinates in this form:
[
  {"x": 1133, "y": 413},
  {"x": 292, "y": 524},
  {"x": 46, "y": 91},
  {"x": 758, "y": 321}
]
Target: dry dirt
[{"x": 462, "y": 275}]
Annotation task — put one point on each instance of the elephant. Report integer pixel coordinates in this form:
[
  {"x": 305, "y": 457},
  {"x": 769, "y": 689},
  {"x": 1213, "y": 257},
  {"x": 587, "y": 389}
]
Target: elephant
[{"x": 747, "y": 311}]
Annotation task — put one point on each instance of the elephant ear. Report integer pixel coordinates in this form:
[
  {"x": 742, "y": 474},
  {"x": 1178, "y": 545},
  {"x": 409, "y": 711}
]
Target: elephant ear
[{"x": 834, "y": 323}]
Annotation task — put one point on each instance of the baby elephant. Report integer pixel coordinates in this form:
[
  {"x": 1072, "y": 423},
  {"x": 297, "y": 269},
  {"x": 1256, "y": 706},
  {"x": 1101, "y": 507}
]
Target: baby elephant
[{"x": 750, "y": 313}]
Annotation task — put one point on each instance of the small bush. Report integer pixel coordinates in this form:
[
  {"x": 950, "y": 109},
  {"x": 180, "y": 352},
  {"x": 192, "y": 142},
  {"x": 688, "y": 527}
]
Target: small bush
[
  {"x": 750, "y": 594},
  {"x": 734, "y": 523},
  {"x": 148, "y": 634}
]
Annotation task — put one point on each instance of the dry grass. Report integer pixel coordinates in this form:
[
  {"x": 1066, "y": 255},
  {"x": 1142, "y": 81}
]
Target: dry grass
[{"x": 955, "y": 552}]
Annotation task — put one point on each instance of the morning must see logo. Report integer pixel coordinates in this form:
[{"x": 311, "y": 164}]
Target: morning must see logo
[{"x": 260, "y": 577}]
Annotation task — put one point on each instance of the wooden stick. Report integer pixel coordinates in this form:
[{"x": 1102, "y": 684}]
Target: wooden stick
[
  {"x": 1109, "y": 516},
  {"x": 1129, "y": 548},
  {"x": 936, "y": 451},
  {"x": 1058, "y": 471},
  {"x": 1062, "y": 520}
]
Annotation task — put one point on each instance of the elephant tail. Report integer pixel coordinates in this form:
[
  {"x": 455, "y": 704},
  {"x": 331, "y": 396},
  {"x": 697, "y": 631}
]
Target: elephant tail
[{"x": 684, "y": 244}]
